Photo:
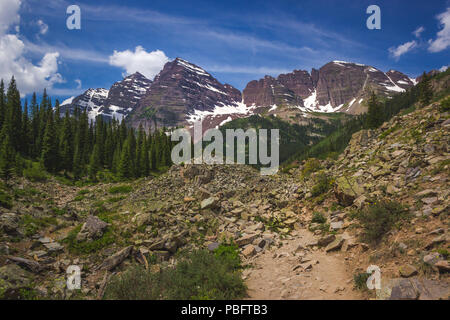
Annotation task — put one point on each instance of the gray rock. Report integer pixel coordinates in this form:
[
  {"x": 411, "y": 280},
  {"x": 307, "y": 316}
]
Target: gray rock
[
  {"x": 54, "y": 247},
  {"x": 92, "y": 229},
  {"x": 335, "y": 245},
  {"x": 336, "y": 225},
  {"x": 213, "y": 246},
  {"x": 113, "y": 261},
  {"x": 326, "y": 240},
  {"x": 27, "y": 264},
  {"x": 209, "y": 203},
  {"x": 420, "y": 289}
]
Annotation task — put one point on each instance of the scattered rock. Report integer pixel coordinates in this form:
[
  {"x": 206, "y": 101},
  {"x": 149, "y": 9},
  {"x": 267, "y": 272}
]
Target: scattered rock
[
  {"x": 407, "y": 271},
  {"x": 113, "y": 261}
]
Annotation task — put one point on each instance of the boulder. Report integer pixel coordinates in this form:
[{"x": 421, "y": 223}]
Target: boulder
[
  {"x": 92, "y": 229},
  {"x": 347, "y": 189},
  {"x": 247, "y": 239},
  {"x": 209, "y": 203},
  {"x": 420, "y": 289},
  {"x": 335, "y": 245},
  {"x": 326, "y": 240},
  {"x": 249, "y": 251},
  {"x": 407, "y": 271},
  {"x": 113, "y": 261},
  {"x": 27, "y": 264}
]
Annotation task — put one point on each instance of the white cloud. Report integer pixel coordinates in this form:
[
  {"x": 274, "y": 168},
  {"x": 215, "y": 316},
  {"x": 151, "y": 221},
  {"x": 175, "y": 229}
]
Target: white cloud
[
  {"x": 442, "y": 41},
  {"x": 30, "y": 77},
  {"x": 43, "y": 27},
  {"x": 9, "y": 14},
  {"x": 418, "y": 31},
  {"x": 78, "y": 82},
  {"x": 147, "y": 63},
  {"x": 443, "y": 68},
  {"x": 396, "y": 52}
]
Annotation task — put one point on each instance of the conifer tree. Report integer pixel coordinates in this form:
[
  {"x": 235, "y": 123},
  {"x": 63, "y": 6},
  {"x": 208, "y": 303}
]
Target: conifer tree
[
  {"x": 425, "y": 92},
  {"x": 374, "y": 113},
  {"x": 7, "y": 155},
  {"x": 2, "y": 103},
  {"x": 49, "y": 155},
  {"x": 94, "y": 163},
  {"x": 66, "y": 147},
  {"x": 125, "y": 170}
]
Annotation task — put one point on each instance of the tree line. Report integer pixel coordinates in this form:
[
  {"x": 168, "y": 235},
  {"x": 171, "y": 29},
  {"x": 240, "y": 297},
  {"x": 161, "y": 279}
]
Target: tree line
[{"x": 36, "y": 134}]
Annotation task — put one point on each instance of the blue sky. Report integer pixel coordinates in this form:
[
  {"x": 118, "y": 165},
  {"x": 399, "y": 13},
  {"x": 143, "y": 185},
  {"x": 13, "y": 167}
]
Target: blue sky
[{"x": 236, "y": 41}]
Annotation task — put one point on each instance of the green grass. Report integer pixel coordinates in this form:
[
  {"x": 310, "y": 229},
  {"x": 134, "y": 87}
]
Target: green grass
[
  {"x": 198, "y": 275},
  {"x": 120, "y": 189},
  {"x": 32, "y": 225},
  {"x": 86, "y": 247}
]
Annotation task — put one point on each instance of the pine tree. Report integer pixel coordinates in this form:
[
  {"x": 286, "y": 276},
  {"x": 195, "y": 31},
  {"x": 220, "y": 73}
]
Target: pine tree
[
  {"x": 26, "y": 131},
  {"x": 94, "y": 163},
  {"x": 426, "y": 91},
  {"x": 7, "y": 155},
  {"x": 14, "y": 114},
  {"x": 49, "y": 155},
  {"x": 2, "y": 103},
  {"x": 374, "y": 113},
  {"x": 66, "y": 144},
  {"x": 125, "y": 170}
]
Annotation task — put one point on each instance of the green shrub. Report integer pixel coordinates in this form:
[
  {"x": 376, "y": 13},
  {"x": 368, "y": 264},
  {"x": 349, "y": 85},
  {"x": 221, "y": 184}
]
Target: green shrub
[
  {"x": 360, "y": 280},
  {"x": 323, "y": 184},
  {"x": 35, "y": 173},
  {"x": 445, "y": 105},
  {"x": 311, "y": 165},
  {"x": 5, "y": 200},
  {"x": 318, "y": 217},
  {"x": 199, "y": 275},
  {"x": 229, "y": 253},
  {"x": 379, "y": 218},
  {"x": 120, "y": 189}
]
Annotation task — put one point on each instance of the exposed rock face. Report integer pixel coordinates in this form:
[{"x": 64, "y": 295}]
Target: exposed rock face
[
  {"x": 299, "y": 81},
  {"x": 337, "y": 86},
  {"x": 269, "y": 91},
  {"x": 181, "y": 92}
]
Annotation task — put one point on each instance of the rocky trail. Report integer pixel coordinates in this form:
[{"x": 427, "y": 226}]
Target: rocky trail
[{"x": 295, "y": 271}]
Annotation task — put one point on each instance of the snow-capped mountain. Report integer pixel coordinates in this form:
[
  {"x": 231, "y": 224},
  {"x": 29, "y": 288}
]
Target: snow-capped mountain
[
  {"x": 183, "y": 93},
  {"x": 116, "y": 102},
  {"x": 92, "y": 99},
  {"x": 336, "y": 87}
]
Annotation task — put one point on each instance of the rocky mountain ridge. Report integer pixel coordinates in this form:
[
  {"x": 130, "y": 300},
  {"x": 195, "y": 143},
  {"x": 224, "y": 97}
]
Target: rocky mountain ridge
[{"x": 184, "y": 92}]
